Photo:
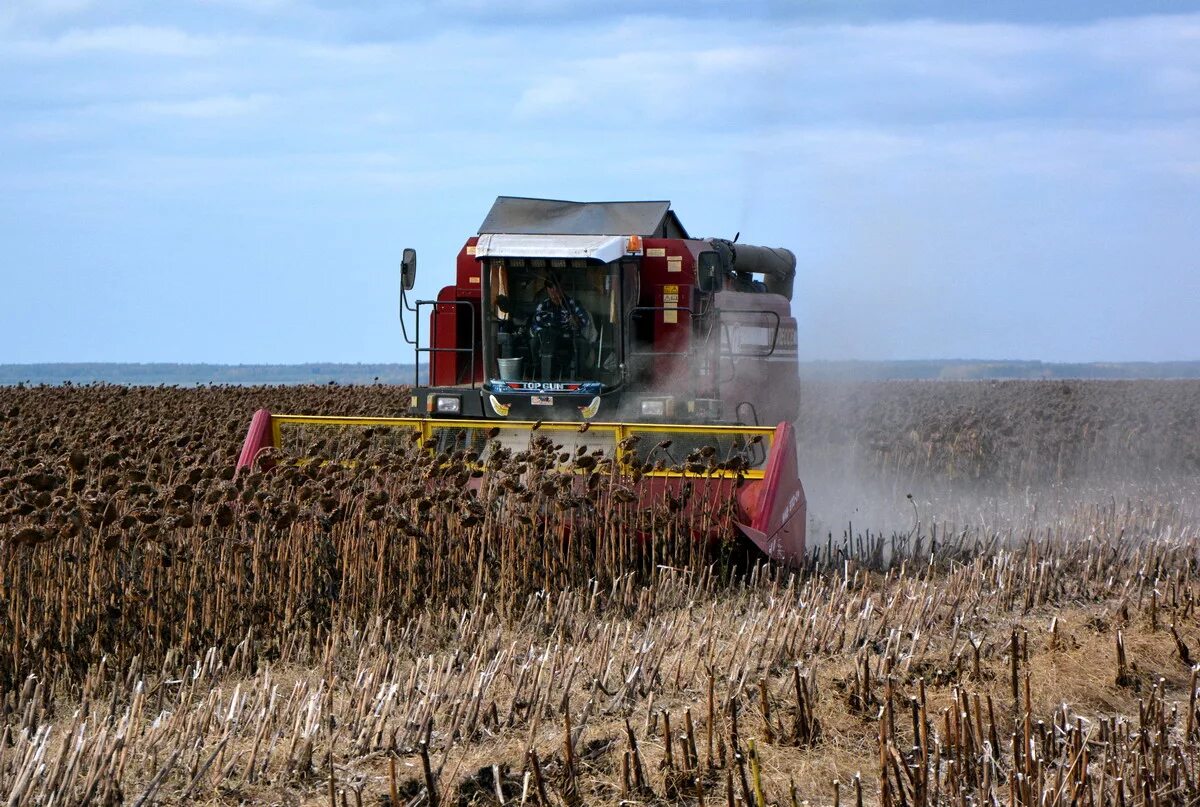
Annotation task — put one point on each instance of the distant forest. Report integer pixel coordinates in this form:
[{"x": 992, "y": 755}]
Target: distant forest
[
  {"x": 981, "y": 369},
  {"x": 193, "y": 374}
]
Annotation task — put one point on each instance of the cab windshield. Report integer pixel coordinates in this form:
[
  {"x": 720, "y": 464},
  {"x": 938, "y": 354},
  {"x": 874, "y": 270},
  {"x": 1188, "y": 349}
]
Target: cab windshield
[{"x": 554, "y": 319}]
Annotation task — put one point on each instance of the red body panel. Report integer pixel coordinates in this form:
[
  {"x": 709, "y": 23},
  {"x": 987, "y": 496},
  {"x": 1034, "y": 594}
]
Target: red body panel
[
  {"x": 668, "y": 276},
  {"x": 450, "y": 325}
]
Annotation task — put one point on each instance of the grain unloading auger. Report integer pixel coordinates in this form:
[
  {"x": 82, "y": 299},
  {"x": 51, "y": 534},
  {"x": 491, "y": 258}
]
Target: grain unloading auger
[{"x": 608, "y": 329}]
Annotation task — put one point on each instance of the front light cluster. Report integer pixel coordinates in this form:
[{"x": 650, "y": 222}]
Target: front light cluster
[
  {"x": 656, "y": 407},
  {"x": 447, "y": 404}
]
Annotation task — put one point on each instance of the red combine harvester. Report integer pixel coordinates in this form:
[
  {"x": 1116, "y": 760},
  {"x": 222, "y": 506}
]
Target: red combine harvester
[{"x": 673, "y": 349}]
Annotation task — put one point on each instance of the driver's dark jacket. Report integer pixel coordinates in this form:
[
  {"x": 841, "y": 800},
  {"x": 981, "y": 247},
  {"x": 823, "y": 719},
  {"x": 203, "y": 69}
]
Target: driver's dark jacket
[{"x": 549, "y": 315}]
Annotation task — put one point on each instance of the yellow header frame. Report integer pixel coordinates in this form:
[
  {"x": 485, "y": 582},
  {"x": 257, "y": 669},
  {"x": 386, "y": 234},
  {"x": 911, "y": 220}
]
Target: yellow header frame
[{"x": 620, "y": 431}]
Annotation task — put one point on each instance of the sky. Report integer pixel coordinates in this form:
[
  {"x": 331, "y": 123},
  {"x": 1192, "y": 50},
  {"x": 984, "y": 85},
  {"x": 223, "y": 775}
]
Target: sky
[{"x": 234, "y": 181}]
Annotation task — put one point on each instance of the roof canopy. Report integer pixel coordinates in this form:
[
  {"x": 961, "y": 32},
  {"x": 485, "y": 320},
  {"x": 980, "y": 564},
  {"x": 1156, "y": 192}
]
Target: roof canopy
[{"x": 519, "y": 216}]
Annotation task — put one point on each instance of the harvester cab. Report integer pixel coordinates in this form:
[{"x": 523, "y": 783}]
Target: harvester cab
[
  {"x": 607, "y": 310},
  {"x": 678, "y": 353}
]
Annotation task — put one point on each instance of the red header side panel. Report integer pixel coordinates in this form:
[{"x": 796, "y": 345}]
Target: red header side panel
[{"x": 776, "y": 504}]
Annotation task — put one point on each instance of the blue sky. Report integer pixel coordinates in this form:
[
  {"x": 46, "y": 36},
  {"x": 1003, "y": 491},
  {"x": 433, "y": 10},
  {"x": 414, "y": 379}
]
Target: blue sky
[{"x": 234, "y": 180}]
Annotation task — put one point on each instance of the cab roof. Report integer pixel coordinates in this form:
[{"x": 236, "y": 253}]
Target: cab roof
[{"x": 521, "y": 216}]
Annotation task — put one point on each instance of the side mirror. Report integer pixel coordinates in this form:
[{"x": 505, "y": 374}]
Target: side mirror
[
  {"x": 408, "y": 269},
  {"x": 708, "y": 271}
]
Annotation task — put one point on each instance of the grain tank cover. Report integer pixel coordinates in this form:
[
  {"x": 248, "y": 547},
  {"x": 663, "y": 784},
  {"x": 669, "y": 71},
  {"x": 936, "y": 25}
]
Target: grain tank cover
[{"x": 520, "y": 216}]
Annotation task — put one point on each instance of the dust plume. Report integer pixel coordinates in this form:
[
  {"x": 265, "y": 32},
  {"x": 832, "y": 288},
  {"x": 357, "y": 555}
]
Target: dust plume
[{"x": 901, "y": 455}]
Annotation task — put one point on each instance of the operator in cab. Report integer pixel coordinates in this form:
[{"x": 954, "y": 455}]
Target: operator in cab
[{"x": 560, "y": 333}]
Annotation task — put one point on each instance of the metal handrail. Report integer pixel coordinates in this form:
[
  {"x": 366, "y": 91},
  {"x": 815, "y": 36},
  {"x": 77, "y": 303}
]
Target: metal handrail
[
  {"x": 737, "y": 411},
  {"x": 433, "y": 336}
]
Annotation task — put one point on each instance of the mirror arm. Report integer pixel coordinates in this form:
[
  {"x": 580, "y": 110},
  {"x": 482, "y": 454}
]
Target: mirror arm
[{"x": 404, "y": 305}]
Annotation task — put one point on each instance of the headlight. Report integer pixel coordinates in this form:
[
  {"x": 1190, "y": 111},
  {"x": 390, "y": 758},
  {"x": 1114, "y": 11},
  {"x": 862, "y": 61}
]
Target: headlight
[
  {"x": 447, "y": 404},
  {"x": 654, "y": 408},
  {"x": 706, "y": 408}
]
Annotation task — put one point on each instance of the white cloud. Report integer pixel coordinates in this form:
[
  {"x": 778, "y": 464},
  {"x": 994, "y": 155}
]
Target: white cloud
[
  {"x": 549, "y": 95},
  {"x": 903, "y": 71},
  {"x": 37, "y": 12},
  {"x": 55, "y": 8},
  {"x": 255, "y": 6},
  {"x": 136, "y": 40},
  {"x": 348, "y": 53},
  {"x": 219, "y": 106}
]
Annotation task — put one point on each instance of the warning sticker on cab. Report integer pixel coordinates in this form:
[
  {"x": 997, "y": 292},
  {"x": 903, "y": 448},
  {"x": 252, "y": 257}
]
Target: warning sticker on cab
[{"x": 670, "y": 301}]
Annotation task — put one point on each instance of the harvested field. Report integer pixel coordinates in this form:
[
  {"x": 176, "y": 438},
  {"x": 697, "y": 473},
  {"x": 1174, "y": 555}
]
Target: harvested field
[{"x": 1022, "y": 630}]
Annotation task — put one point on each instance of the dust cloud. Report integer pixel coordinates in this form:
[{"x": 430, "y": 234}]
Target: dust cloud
[{"x": 1006, "y": 457}]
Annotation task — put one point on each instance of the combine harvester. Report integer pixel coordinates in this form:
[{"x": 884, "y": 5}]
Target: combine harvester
[{"x": 678, "y": 353}]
